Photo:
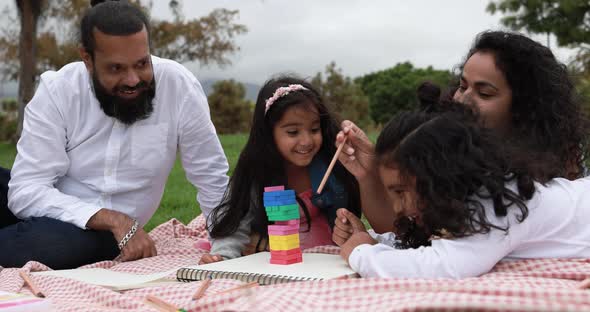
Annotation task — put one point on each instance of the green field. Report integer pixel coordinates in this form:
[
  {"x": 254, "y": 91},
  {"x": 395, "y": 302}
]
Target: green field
[{"x": 179, "y": 199}]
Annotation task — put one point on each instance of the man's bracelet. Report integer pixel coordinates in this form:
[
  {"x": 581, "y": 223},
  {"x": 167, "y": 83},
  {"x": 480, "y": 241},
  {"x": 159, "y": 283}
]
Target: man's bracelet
[{"x": 129, "y": 235}]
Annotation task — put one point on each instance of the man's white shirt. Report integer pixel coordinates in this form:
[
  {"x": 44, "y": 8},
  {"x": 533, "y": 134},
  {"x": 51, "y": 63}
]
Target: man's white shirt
[{"x": 73, "y": 159}]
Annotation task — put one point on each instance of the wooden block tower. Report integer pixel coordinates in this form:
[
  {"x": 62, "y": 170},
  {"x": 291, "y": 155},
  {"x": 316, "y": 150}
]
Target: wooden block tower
[{"x": 283, "y": 236}]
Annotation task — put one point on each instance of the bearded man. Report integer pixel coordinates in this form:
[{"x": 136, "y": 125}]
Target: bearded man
[{"x": 98, "y": 143}]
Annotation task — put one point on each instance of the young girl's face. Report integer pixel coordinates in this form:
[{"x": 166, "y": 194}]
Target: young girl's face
[
  {"x": 484, "y": 85},
  {"x": 298, "y": 135},
  {"x": 401, "y": 192}
]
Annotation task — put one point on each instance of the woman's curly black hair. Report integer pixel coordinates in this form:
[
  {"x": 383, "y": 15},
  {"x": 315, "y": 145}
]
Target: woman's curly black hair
[
  {"x": 456, "y": 163},
  {"x": 547, "y": 118}
]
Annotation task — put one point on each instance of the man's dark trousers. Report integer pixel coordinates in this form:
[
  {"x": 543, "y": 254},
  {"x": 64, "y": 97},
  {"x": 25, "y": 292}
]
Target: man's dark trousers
[{"x": 57, "y": 244}]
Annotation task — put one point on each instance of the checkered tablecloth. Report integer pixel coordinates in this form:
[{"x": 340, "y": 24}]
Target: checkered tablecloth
[{"x": 530, "y": 285}]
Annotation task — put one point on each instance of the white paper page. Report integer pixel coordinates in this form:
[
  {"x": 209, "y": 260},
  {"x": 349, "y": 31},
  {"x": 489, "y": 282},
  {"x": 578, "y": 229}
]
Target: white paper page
[
  {"x": 314, "y": 265},
  {"x": 111, "y": 279}
]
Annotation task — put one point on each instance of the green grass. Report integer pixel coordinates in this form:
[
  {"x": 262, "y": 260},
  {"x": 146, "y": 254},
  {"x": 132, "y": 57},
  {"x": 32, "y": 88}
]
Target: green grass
[
  {"x": 179, "y": 200},
  {"x": 7, "y": 154}
]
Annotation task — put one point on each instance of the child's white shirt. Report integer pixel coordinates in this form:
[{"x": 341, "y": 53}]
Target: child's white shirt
[{"x": 556, "y": 227}]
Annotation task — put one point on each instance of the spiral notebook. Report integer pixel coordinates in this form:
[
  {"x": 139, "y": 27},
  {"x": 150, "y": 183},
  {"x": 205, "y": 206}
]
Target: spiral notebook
[{"x": 257, "y": 268}]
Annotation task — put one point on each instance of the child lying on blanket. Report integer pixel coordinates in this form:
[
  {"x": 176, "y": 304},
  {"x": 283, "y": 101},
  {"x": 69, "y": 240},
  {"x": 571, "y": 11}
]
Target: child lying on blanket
[{"x": 461, "y": 207}]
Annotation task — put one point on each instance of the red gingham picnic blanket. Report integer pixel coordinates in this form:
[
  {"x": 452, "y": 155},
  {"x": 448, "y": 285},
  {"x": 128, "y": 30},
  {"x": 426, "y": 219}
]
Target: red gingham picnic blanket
[{"x": 529, "y": 285}]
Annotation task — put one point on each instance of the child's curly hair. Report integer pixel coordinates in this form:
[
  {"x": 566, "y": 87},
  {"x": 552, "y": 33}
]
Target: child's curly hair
[{"x": 456, "y": 163}]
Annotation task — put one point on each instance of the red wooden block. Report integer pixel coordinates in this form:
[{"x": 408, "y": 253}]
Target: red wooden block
[
  {"x": 285, "y": 257},
  {"x": 300, "y": 259},
  {"x": 294, "y": 251}
]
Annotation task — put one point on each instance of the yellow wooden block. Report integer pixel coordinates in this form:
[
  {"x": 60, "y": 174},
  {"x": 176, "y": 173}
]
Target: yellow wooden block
[
  {"x": 284, "y": 238},
  {"x": 287, "y": 245}
]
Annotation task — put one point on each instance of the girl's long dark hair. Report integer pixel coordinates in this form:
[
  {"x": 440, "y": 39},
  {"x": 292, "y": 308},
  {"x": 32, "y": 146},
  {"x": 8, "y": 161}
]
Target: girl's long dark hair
[
  {"x": 260, "y": 163},
  {"x": 455, "y": 162},
  {"x": 547, "y": 118}
]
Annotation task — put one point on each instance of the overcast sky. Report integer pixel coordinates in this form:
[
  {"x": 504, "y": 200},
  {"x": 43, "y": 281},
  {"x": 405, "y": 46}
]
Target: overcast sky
[{"x": 303, "y": 36}]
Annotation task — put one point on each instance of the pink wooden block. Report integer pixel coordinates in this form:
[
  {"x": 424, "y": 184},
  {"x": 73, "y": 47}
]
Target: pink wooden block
[
  {"x": 274, "y": 188},
  {"x": 282, "y": 232},
  {"x": 288, "y": 222},
  {"x": 281, "y": 227}
]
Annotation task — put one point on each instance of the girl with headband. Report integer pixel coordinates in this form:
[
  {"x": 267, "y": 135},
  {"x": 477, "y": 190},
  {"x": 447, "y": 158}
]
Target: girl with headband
[{"x": 291, "y": 143}]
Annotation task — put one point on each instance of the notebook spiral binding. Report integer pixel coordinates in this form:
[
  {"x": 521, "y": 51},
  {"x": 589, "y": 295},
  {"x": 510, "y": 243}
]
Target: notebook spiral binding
[{"x": 191, "y": 275}]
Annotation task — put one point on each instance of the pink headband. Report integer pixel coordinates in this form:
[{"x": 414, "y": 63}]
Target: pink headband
[{"x": 280, "y": 92}]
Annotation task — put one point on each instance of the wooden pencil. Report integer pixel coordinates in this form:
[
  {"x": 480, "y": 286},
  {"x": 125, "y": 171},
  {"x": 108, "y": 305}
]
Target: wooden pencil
[
  {"x": 244, "y": 286},
  {"x": 201, "y": 291},
  {"x": 161, "y": 304},
  {"x": 28, "y": 281},
  {"x": 331, "y": 166}
]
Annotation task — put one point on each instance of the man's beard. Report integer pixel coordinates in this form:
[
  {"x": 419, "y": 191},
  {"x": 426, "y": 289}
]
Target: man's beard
[{"x": 127, "y": 111}]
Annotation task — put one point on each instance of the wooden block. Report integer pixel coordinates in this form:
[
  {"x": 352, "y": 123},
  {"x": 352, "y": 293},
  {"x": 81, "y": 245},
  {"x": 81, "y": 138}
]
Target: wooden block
[
  {"x": 286, "y": 252},
  {"x": 282, "y": 232},
  {"x": 280, "y": 216},
  {"x": 279, "y": 194},
  {"x": 288, "y": 222},
  {"x": 279, "y": 202},
  {"x": 283, "y": 238},
  {"x": 274, "y": 245},
  {"x": 282, "y": 227},
  {"x": 285, "y": 257},
  {"x": 274, "y": 188},
  {"x": 285, "y": 208},
  {"x": 285, "y": 262}
]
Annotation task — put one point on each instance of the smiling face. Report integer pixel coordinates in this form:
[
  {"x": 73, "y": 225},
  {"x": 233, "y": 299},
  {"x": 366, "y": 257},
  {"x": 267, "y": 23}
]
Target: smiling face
[
  {"x": 298, "y": 135},
  {"x": 122, "y": 75},
  {"x": 484, "y": 85},
  {"x": 401, "y": 192}
]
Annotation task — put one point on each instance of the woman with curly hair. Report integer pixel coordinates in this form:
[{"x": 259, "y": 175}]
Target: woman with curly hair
[
  {"x": 525, "y": 94},
  {"x": 521, "y": 91},
  {"x": 461, "y": 206}
]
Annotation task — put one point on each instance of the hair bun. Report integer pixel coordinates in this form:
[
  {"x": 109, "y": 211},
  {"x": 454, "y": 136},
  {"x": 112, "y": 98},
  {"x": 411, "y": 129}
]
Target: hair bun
[{"x": 428, "y": 94}]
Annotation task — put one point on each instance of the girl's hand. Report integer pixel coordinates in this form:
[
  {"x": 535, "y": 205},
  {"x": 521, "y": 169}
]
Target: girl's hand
[
  {"x": 358, "y": 238},
  {"x": 209, "y": 258},
  {"x": 345, "y": 225},
  {"x": 358, "y": 155}
]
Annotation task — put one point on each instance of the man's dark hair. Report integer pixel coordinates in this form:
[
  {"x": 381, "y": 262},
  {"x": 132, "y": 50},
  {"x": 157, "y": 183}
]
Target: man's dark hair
[{"x": 117, "y": 18}]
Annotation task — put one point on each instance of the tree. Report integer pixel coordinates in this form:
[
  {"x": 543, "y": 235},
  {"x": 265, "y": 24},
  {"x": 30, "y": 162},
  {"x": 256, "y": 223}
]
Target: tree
[
  {"x": 394, "y": 89},
  {"x": 568, "y": 20},
  {"x": 343, "y": 95},
  {"x": 209, "y": 39},
  {"x": 28, "y": 11},
  {"x": 230, "y": 111}
]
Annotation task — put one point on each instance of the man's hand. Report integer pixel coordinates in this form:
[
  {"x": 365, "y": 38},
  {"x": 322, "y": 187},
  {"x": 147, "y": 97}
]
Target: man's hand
[
  {"x": 345, "y": 225},
  {"x": 358, "y": 155},
  {"x": 358, "y": 238},
  {"x": 209, "y": 258},
  {"x": 139, "y": 246}
]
